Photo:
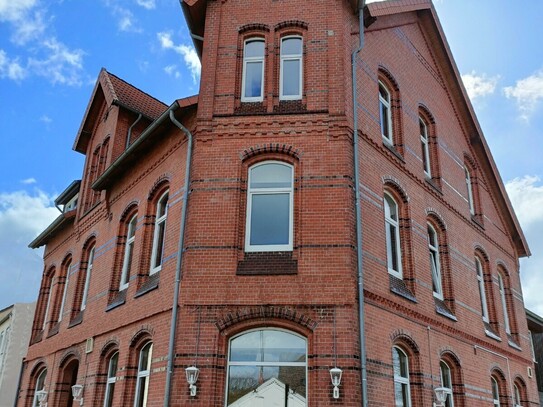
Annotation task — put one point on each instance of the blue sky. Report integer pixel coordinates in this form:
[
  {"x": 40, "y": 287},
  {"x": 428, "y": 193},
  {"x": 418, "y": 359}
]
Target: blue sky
[{"x": 51, "y": 53}]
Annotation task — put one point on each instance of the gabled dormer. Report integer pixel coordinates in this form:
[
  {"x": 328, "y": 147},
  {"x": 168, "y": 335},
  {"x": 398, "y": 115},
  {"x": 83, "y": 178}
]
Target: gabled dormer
[{"x": 116, "y": 115}]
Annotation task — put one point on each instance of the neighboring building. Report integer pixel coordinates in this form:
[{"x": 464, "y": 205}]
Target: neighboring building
[
  {"x": 535, "y": 325},
  {"x": 15, "y": 326},
  {"x": 265, "y": 273}
]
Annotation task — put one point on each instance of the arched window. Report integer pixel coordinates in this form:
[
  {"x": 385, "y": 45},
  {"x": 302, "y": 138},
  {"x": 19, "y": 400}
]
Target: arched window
[
  {"x": 402, "y": 391},
  {"x": 252, "y": 82},
  {"x": 290, "y": 87},
  {"x": 425, "y": 146},
  {"x": 66, "y": 272},
  {"x": 392, "y": 231},
  {"x": 128, "y": 251},
  {"x": 269, "y": 365},
  {"x": 269, "y": 207},
  {"x": 482, "y": 290},
  {"x": 159, "y": 233},
  {"x": 519, "y": 393},
  {"x": 517, "y": 396},
  {"x": 469, "y": 186},
  {"x": 111, "y": 379},
  {"x": 40, "y": 385},
  {"x": 144, "y": 371},
  {"x": 385, "y": 113},
  {"x": 495, "y": 391},
  {"x": 435, "y": 263},
  {"x": 86, "y": 285},
  {"x": 48, "y": 296},
  {"x": 501, "y": 286},
  {"x": 447, "y": 383}
]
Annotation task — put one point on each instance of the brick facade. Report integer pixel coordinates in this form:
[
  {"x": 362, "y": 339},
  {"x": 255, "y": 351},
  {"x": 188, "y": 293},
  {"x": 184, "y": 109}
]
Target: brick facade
[{"x": 310, "y": 291}]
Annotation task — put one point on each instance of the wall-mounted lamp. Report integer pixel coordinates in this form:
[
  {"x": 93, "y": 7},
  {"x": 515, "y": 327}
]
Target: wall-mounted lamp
[
  {"x": 77, "y": 392},
  {"x": 441, "y": 396},
  {"x": 42, "y": 397},
  {"x": 335, "y": 375},
  {"x": 192, "y": 373}
]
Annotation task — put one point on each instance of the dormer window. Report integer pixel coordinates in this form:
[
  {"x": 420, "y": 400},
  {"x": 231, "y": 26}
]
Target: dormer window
[{"x": 71, "y": 205}]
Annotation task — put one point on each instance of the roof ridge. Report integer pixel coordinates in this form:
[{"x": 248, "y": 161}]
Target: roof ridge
[{"x": 132, "y": 86}]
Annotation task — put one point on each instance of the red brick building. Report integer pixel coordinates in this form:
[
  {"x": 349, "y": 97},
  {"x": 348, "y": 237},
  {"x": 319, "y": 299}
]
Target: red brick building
[{"x": 241, "y": 205}]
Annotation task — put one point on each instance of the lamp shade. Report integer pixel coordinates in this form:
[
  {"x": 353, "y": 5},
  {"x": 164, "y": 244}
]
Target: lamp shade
[
  {"x": 192, "y": 373},
  {"x": 335, "y": 375},
  {"x": 441, "y": 394},
  {"x": 42, "y": 395},
  {"x": 77, "y": 390}
]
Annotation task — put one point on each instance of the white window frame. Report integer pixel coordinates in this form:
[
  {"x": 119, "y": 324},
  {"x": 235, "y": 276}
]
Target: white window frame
[
  {"x": 469, "y": 186},
  {"x": 386, "y": 103},
  {"x": 247, "y": 60},
  {"x": 269, "y": 191},
  {"x": 517, "y": 395},
  {"x": 532, "y": 345},
  {"x": 160, "y": 227},
  {"x": 395, "y": 224},
  {"x": 64, "y": 290},
  {"x": 144, "y": 372},
  {"x": 291, "y": 57},
  {"x": 482, "y": 292},
  {"x": 128, "y": 252},
  {"x": 435, "y": 263},
  {"x": 403, "y": 381},
  {"x": 449, "y": 390},
  {"x": 264, "y": 364},
  {"x": 495, "y": 390},
  {"x": 49, "y": 295},
  {"x": 501, "y": 286},
  {"x": 426, "y": 161},
  {"x": 41, "y": 378},
  {"x": 88, "y": 274},
  {"x": 111, "y": 379}
]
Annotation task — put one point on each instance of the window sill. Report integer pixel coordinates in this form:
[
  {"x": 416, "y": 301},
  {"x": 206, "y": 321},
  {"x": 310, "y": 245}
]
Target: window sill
[
  {"x": 398, "y": 286},
  {"x": 513, "y": 343},
  {"x": 149, "y": 284},
  {"x": 393, "y": 150},
  {"x": 433, "y": 184},
  {"x": 77, "y": 319},
  {"x": 267, "y": 263},
  {"x": 118, "y": 299},
  {"x": 54, "y": 329},
  {"x": 477, "y": 220},
  {"x": 490, "y": 333},
  {"x": 442, "y": 309}
]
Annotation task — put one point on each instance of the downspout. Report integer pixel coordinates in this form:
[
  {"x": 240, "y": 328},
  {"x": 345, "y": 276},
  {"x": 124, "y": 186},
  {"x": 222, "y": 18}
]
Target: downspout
[
  {"x": 129, "y": 134},
  {"x": 359, "y": 253},
  {"x": 178, "y": 276}
]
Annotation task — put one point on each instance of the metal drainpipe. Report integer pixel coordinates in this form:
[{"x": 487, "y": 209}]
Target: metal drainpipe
[
  {"x": 129, "y": 134},
  {"x": 177, "y": 284},
  {"x": 359, "y": 253}
]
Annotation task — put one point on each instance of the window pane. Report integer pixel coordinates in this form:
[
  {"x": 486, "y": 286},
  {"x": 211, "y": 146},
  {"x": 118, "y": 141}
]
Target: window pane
[
  {"x": 113, "y": 365},
  {"x": 271, "y": 176},
  {"x": 291, "y": 46},
  {"x": 291, "y": 77},
  {"x": 399, "y": 394},
  {"x": 109, "y": 394},
  {"x": 246, "y": 348},
  {"x": 253, "y": 79},
  {"x": 283, "y": 347},
  {"x": 254, "y": 49},
  {"x": 385, "y": 120},
  {"x": 268, "y": 386},
  {"x": 392, "y": 247},
  {"x": 270, "y": 218},
  {"x": 159, "y": 243}
]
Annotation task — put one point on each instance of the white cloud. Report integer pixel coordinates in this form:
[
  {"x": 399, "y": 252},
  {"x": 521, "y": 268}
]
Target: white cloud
[
  {"x": 526, "y": 195},
  {"x": 190, "y": 57},
  {"x": 528, "y": 93},
  {"x": 26, "y": 18},
  {"x": 479, "y": 85},
  {"x": 125, "y": 18},
  {"x": 61, "y": 65},
  {"x": 45, "y": 119},
  {"x": 22, "y": 217},
  {"x": 12, "y": 10},
  {"x": 29, "y": 181},
  {"x": 10, "y": 68},
  {"x": 148, "y": 4},
  {"x": 172, "y": 71}
]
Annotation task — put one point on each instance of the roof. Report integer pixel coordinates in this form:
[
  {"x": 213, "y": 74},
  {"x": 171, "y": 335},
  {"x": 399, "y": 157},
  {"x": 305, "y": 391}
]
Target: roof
[
  {"x": 430, "y": 21},
  {"x": 114, "y": 91},
  {"x": 53, "y": 229},
  {"x": 141, "y": 144},
  {"x": 68, "y": 193}
]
